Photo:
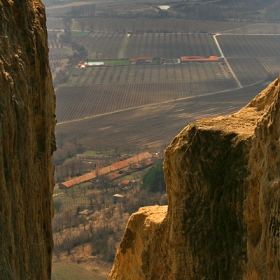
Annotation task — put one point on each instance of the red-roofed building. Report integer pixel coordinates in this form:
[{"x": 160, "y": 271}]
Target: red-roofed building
[
  {"x": 133, "y": 60},
  {"x": 118, "y": 166},
  {"x": 113, "y": 176},
  {"x": 125, "y": 183},
  {"x": 199, "y": 59},
  {"x": 145, "y": 59},
  {"x": 141, "y": 60}
]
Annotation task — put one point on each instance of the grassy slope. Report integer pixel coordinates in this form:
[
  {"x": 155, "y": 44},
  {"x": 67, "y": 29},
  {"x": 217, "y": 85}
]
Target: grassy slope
[{"x": 72, "y": 271}]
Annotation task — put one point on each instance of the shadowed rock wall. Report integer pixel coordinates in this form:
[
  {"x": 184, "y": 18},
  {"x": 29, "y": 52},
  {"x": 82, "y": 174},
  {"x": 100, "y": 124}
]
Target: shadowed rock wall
[
  {"x": 27, "y": 106},
  {"x": 223, "y": 185}
]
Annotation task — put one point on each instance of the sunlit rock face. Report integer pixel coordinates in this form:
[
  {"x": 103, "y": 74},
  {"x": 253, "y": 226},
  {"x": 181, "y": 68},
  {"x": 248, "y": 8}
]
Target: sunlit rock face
[
  {"x": 27, "y": 106},
  {"x": 223, "y": 186}
]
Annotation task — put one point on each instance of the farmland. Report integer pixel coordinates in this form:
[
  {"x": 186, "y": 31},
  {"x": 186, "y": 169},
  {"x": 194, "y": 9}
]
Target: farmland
[
  {"x": 248, "y": 70},
  {"x": 250, "y": 45},
  {"x": 101, "y": 45},
  {"x": 171, "y": 45},
  {"x": 166, "y": 45},
  {"x": 150, "y": 25},
  {"x": 167, "y": 73},
  {"x": 252, "y": 58},
  {"x": 154, "y": 125},
  {"x": 58, "y": 57},
  {"x": 97, "y": 90},
  {"x": 78, "y": 102},
  {"x": 92, "y": 92}
]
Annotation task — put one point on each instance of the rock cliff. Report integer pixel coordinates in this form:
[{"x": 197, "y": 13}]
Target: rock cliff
[
  {"x": 223, "y": 185},
  {"x": 27, "y": 106}
]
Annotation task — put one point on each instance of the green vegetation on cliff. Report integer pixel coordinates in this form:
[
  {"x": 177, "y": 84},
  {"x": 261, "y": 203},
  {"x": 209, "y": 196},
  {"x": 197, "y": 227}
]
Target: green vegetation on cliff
[{"x": 153, "y": 180}]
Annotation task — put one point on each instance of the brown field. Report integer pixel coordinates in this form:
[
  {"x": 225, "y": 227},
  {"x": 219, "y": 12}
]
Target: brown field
[
  {"x": 152, "y": 126},
  {"x": 142, "y": 24},
  {"x": 78, "y": 102},
  {"x": 165, "y": 45},
  {"x": 271, "y": 64},
  {"x": 102, "y": 90},
  {"x": 166, "y": 73},
  {"x": 102, "y": 45},
  {"x": 255, "y": 29},
  {"x": 250, "y": 45},
  {"x": 252, "y": 58},
  {"x": 248, "y": 70},
  {"x": 58, "y": 57},
  {"x": 171, "y": 45}
]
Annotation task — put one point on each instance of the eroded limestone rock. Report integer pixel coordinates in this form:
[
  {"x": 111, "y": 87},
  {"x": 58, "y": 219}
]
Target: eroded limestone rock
[
  {"x": 223, "y": 185},
  {"x": 27, "y": 120}
]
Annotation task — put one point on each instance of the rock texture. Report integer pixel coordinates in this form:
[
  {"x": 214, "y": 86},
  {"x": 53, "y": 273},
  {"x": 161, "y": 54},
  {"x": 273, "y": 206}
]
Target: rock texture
[
  {"x": 223, "y": 185},
  {"x": 27, "y": 120}
]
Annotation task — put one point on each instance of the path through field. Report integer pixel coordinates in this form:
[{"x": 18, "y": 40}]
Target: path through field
[
  {"x": 123, "y": 46},
  {"x": 226, "y": 61}
]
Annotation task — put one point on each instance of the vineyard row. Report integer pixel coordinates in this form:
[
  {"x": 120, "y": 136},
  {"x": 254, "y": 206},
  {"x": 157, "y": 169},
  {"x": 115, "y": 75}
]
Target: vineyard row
[{"x": 78, "y": 102}]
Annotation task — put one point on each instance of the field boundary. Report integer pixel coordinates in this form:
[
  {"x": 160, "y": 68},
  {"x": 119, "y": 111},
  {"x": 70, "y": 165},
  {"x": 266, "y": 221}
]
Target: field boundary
[{"x": 226, "y": 61}]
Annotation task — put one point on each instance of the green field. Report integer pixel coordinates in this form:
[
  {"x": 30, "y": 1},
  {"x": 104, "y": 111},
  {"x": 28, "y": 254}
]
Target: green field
[
  {"x": 72, "y": 271},
  {"x": 75, "y": 33}
]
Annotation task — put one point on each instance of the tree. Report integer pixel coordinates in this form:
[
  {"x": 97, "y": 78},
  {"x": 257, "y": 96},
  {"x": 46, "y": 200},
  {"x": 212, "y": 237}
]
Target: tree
[
  {"x": 57, "y": 248},
  {"x": 83, "y": 220},
  {"x": 153, "y": 180},
  {"x": 57, "y": 204}
]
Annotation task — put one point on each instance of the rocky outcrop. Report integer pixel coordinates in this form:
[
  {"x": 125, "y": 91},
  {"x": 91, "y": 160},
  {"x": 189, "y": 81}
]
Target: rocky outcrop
[
  {"x": 223, "y": 186},
  {"x": 27, "y": 142}
]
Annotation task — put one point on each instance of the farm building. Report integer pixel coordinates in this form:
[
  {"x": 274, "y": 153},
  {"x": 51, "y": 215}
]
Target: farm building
[
  {"x": 133, "y": 60},
  {"x": 199, "y": 59},
  {"x": 145, "y": 59},
  {"x": 120, "y": 168},
  {"x": 141, "y": 60}
]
